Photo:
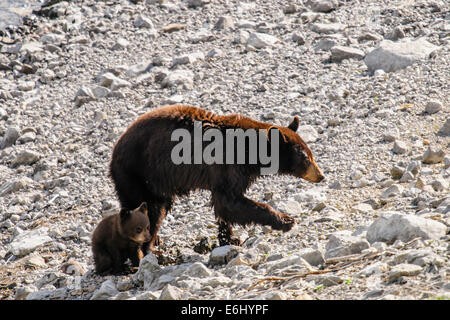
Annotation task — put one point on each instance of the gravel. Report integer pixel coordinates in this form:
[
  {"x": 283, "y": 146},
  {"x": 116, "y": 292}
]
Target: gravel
[{"x": 369, "y": 83}]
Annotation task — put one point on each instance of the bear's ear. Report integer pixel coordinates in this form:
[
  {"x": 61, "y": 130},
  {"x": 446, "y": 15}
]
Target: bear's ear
[
  {"x": 124, "y": 213},
  {"x": 294, "y": 124},
  {"x": 275, "y": 129},
  {"x": 143, "y": 207}
]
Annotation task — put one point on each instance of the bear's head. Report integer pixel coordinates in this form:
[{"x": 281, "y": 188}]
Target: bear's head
[
  {"x": 135, "y": 225},
  {"x": 295, "y": 156}
]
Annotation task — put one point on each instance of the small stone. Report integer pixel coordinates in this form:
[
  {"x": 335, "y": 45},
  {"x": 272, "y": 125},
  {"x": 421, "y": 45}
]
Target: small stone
[
  {"x": 339, "y": 53},
  {"x": 324, "y": 6},
  {"x": 188, "y": 58},
  {"x": 407, "y": 177},
  {"x": 26, "y": 157},
  {"x": 402, "y": 270},
  {"x": 224, "y": 23},
  {"x": 261, "y": 40},
  {"x": 400, "y": 147},
  {"x": 445, "y": 129},
  {"x": 120, "y": 44},
  {"x": 433, "y": 106},
  {"x": 10, "y": 138},
  {"x": 308, "y": 133},
  {"x": 143, "y": 22},
  {"x": 327, "y": 28},
  {"x": 298, "y": 38},
  {"x": 3, "y": 114},
  {"x": 342, "y": 243},
  {"x": 175, "y": 78},
  {"x": 439, "y": 184},
  {"x": 173, "y": 27},
  {"x": 198, "y": 270},
  {"x": 28, "y": 136},
  {"x": 290, "y": 8},
  {"x": 397, "y": 172},
  {"x": 392, "y": 191},
  {"x": 222, "y": 255},
  {"x": 433, "y": 155}
]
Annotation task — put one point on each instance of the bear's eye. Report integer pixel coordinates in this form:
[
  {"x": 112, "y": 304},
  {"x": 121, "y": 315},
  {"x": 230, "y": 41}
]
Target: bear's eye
[{"x": 138, "y": 230}]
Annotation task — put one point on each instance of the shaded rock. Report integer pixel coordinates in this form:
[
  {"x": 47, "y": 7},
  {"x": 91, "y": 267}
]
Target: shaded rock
[
  {"x": 391, "y": 56},
  {"x": 171, "y": 293},
  {"x": 143, "y": 22},
  {"x": 313, "y": 256},
  {"x": 10, "y": 137},
  {"x": 403, "y": 270},
  {"x": 393, "y": 226},
  {"x": 392, "y": 191},
  {"x": 322, "y": 5},
  {"x": 26, "y": 157},
  {"x": 433, "y": 155},
  {"x": 445, "y": 129},
  {"x": 224, "y": 23},
  {"x": 433, "y": 106}
]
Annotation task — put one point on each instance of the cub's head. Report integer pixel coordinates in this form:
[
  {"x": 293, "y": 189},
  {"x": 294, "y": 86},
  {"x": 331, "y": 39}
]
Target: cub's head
[
  {"x": 295, "y": 156},
  {"x": 134, "y": 224}
]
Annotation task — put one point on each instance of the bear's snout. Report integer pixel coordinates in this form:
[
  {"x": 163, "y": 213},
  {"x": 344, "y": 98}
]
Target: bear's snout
[{"x": 313, "y": 173}]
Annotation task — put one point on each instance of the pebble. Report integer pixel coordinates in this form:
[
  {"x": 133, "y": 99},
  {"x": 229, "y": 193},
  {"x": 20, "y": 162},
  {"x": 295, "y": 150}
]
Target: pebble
[
  {"x": 433, "y": 155},
  {"x": 433, "y": 106}
]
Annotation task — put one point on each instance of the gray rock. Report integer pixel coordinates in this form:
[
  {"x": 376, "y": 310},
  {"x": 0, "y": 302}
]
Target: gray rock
[
  {"x": 298, "y": 38},
  {"x": 342, "y": 243},
  {"x": 3, "y": 115},
  {"x": 10, "y": 138},
  {"x": 171, "y": 293},
  {"x": 120, "y": 44},
  {"x": 143, "y": 22},
  {"x": 400, "y": 147},
  {"x": 403, "y": 270},
  {"x": 26, "y": 157},
  {"x": 392, "y": 191},
  {"x": 137, "y": 69},
  {"x": 261, "y": 40},
  {"x": 433, "y": 106},
  {"x": 308, "y": 133},
  {"x": 392, "y": 226},
  {"x": 313, "y": 256},
  {"x": 188, "y": 58},
  {"x": 322, "y": 5},
  {"x": 222, "y": 255},
  {"x": 339, "y": 53},
  {"x": 433, "y": 155},
  {"x": 445, "y": 129},
  {"x": 29, "y": 241},
  {"x": 392, "y": 56},
  {"x": 327, "y": 28},
  {"x": 175, "y": 78},
  {"x": 107, "y": 290},
  {"x": 326, "y": 280},
  {"x": 14, "y": 186},
  {"x": 224, "y": 23},
  {"x": 28, "y": 136},
  {"x": 198, "y": 270},
  {"x": 148, "y": 268},
  {"x": 397, "y": 172}
]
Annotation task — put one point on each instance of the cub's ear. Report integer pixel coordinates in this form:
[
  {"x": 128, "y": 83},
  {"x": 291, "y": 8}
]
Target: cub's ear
[
  {"x": 124, "y": 213},
  {"x": 143, "y": 207},
  {"x": 294, "y": 124}
]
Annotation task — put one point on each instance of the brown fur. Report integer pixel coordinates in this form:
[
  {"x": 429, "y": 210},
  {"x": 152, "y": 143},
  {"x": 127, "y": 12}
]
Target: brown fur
[
  {"x": 119, "y": 237},
  {"x": 142, "y": 170}
]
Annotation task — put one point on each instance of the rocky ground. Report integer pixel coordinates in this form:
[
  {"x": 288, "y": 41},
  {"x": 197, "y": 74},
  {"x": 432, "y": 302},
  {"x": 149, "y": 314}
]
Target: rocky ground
[{"x": 370, "y": 81}]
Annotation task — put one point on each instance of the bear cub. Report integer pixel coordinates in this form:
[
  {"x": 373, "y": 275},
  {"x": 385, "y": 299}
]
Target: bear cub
[{"x": 120, "y": 237}]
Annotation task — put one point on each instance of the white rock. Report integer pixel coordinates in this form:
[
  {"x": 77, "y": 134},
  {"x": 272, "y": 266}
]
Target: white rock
[
  {"x": 29, "y": 241},
  {"x": 327, "y": 28},
  {"x": 342, "y": 243},
  {"x": 391, "y": 56},
  {"x": 137, "y": 69},
  {"x": 392, "y": 226},
  {"x": 179, "y": 77},
  {"x": 198, "y": 270},
  {"x": 171, "y": 293},
  {"x": 222, "y": 255},
  {"x": 262, "y": 40},
  {"x": 308, "y": 133},
  {"x": 148, "y": 267},
  {"x": 400, "y": 147},
  {"x": 107, "y": 290}
]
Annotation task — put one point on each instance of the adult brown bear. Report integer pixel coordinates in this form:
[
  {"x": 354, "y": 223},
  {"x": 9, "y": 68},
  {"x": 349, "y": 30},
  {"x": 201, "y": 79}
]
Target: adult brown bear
[{"x": 143, "y": 169}]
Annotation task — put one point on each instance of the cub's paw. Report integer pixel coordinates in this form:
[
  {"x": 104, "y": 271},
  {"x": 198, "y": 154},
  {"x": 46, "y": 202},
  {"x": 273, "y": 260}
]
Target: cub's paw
[{"x": 286, "y": 223}]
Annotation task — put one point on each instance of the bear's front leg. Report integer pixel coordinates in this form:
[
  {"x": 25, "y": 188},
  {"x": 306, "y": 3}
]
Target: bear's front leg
[
  {"x": 226, "y": 234},
  {"x": 241, "y": 210}
]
